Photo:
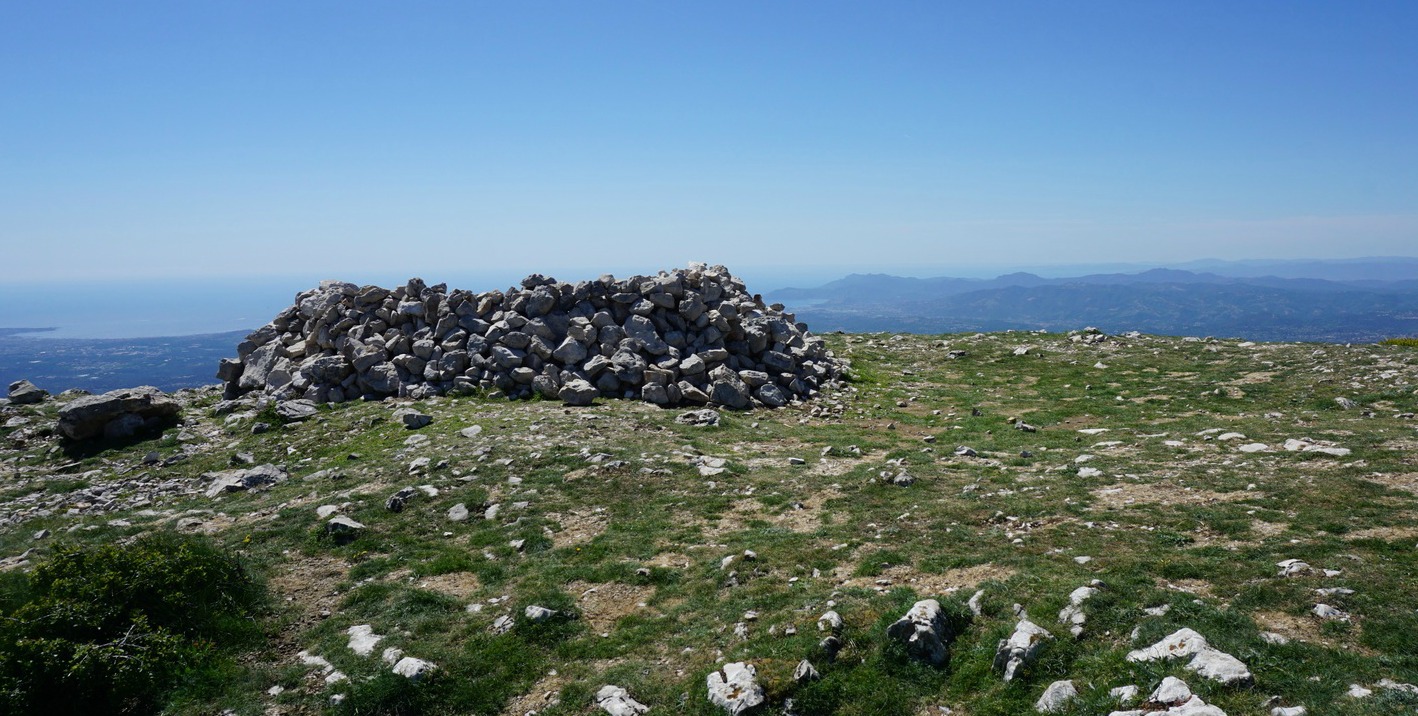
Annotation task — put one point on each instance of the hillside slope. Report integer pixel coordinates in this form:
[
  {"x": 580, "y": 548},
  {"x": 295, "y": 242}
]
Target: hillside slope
[{"x": 1177, "y": 472}]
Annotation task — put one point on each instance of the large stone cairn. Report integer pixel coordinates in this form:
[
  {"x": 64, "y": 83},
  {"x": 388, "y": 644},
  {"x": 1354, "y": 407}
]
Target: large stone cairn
[{"x": 688, "y": 336}]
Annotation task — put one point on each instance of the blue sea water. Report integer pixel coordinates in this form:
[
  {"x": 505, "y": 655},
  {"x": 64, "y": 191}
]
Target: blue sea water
[
  {"x": 143, "y": 309},
  {"x": 179, "y": 307}
]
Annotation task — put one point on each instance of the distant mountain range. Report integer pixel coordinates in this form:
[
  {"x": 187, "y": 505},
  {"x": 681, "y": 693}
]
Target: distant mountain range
[
  {"x": 1354, "y": 301},
  {"x": 1360, "y": 300}
]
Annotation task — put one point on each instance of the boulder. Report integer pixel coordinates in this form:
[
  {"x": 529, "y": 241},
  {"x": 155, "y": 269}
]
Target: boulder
[
  {"x": 412, "y": 419},
  {"x": 924, "y": 632},
  {"x": 23, "y": 392},
  {"x": 90, "y": 416},
  {"x": 730, "y": 392},
  {"x": 1073, "y": 614},
  {"x": 242, "y": 480},
  {"x": 363, "y": 639},
  {"x": 805, "y": 672},
  {"x": 343, "y": 529},
  {"x": 1220, "y": 667},
  {"x": 458, "y": 513},
  {"x": 1183, "y": 642},
  {"x": 536, "y": 613},
  {"x": 1056, "y": 697},
  {"x": 577, "y": 393}
]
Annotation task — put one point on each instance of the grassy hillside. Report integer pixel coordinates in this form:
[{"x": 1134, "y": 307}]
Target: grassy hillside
[{"x": 666, "y": 550}]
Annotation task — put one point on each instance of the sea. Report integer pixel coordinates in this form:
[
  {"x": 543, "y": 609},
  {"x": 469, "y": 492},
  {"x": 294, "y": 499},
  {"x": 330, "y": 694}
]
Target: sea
[{"x": 150, "y": 308}]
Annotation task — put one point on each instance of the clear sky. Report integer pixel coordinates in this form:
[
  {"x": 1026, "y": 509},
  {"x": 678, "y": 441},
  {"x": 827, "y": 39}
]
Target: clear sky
[{"x": 142, "y": 139}]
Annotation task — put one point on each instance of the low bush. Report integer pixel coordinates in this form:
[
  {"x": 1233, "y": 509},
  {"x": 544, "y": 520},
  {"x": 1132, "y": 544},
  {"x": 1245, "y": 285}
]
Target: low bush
[{"x": 113, "y": 629}]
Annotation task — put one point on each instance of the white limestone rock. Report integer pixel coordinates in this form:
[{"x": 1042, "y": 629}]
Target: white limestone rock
[
  {"x": 1183, "y": 642},
  {"x": 414, "y": 669},
  {"x": 1056, "y": 697},
  {"x": 734, "y": 688},
  {"x": 1171, "y": 692},
  {"x": 363, "y": 639},
  {"x": 1020, "y": 648},
  {"x": 1220, "y": 667},
  {"x": 1124, "y": 694},
  {"x": 924, "y": 631},
  {"x": 617, "y": 702}
]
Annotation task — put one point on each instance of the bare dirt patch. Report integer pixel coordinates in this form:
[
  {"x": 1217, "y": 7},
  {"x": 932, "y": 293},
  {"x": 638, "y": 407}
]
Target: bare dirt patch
[
  {"x": 544, "y": 694},
  {"x": 1263, "y": 529},
  {"x": 307, "y": 586},
  {"x": 805, "y": 516},
  {"x": 734, "y": 519},
  {"x": 1157, "y": 397},
  {"x": 1256, "y": 378},
  {"x": 1384, "y": 533},
  {"x": 926, "y": 584},
  {"x": 832, "y": 468},
  {"x": 1305, "y": 629},
  {"x": 670, "y": 560},
  {"x": 1407, "y": 482},
  {"x": 577, "y": 526},
  {"x": 460, "y": 585},
  {"x": 1126, "y": 494},
  {"x": 602, "y": 605},
  {"x": 1076, "y": 422}
]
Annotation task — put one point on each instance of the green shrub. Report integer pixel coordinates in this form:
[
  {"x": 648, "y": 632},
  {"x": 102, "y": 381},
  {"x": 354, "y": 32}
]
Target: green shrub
[
  {"x": 1409, "y": 342},
  {"x": 112, "y": 629}
]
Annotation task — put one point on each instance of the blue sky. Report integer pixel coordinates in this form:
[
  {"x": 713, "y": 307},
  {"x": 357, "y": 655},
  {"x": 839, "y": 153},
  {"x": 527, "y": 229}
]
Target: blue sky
[{"x": 336, "y": 139}]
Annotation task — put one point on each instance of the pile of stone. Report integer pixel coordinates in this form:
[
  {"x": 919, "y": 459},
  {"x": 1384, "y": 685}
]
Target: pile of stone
[{"x": 681, "y": 337}]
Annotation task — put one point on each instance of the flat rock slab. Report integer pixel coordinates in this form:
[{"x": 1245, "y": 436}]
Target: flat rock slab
[
  {"x": 363, "y": 639},
  {"x": 1206, "y": 660},
  {"x": 246, "y": 479},
  {"x": 115, "y": 414},
  {"x": 617, "y": 702},
  {"x": 295, "y": 411}
]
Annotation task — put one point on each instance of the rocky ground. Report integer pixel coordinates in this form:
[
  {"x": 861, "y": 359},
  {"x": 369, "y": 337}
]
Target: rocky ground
[{"x": 974, "y": 524}]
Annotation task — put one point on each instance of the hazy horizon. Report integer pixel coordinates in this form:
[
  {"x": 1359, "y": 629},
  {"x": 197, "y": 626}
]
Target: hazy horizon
[{"x": 149, "y": 308}]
